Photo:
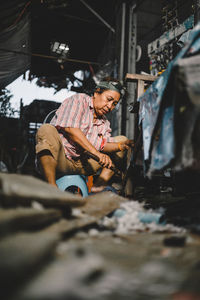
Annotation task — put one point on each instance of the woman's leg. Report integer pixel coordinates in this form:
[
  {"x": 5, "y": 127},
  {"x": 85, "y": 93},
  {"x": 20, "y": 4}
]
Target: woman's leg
[
  {"x": 106, "y": 174},
  {"x": 50, "y": 153},
  {"x": 47, "y": 151},
  {"x": 52, "y": 160},
  {"x": 48, "y": 166}
]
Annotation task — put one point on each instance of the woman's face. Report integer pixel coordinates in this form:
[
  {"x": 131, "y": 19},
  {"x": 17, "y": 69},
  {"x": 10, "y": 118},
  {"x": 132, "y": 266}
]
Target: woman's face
[{"x": 105, "y": 102}]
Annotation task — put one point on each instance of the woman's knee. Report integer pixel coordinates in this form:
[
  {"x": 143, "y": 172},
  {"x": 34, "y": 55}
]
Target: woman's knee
[
  {"x": 120, "y": 138},
  {"x": 47, "y": 139},
  {"x": 46, "y": 129}
]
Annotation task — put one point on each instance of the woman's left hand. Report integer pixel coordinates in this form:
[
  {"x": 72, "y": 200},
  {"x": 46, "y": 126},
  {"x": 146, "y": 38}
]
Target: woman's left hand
[{"x": 126, "y": 145}]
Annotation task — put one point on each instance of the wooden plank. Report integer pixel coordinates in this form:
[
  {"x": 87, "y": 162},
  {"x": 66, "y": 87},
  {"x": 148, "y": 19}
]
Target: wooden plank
[
  {"x": 140, "y": 88},
  {"x": 17, "y": 189},
  {"x": 96, "y": 207},
  {"x": 101, "y": 204},
  {"x": 21, "y": 257},
  {"x": 65, "y": 227},
  {"x": 12, "y": 220},
  {"x": 135, "y": 77}
]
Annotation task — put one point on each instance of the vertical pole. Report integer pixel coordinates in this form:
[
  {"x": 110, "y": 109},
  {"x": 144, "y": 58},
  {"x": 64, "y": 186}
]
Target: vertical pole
[
  {"x": 131, "y": 68},
  {"x": 122, "y": 43},
  {"x": 21, "y": 108},
  {"x": 121, "y": 61}
]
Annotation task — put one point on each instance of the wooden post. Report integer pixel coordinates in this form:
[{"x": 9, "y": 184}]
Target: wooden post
[{"x": 140, "y": 80}]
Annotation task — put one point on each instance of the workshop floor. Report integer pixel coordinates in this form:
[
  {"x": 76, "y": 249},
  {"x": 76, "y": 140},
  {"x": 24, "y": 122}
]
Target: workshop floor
[{"x": 56, "y": 245}]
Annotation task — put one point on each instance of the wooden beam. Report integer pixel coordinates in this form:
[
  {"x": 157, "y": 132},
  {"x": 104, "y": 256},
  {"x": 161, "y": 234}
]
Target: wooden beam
[
  {"x": 140, "y": 88},
  {"x": 65, "y": 227},
  {"x": 136, "y": 77},
  {"x": 101, "y": 204},
  {"x": 19, "y": 189},
  {"x": 12, "y": 220}
]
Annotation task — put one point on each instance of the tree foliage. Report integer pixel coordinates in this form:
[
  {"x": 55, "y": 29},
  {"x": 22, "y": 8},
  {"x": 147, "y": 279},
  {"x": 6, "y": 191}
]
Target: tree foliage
[{"x": 6, "y": 109}]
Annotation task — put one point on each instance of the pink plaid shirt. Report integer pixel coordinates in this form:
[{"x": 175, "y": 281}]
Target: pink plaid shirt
[{"x": 77, "y": 111}]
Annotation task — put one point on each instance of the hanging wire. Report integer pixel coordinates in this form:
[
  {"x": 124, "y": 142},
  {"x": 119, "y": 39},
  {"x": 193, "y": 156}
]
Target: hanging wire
[{"x": 51, "y": 57}]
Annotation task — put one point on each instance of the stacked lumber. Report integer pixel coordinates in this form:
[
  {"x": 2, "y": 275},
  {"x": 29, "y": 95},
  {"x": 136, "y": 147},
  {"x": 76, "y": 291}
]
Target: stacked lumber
[{"x": 34, "y": 219}]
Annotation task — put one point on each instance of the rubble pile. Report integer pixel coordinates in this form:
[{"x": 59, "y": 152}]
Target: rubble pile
[{"x": 57, "y": 245}]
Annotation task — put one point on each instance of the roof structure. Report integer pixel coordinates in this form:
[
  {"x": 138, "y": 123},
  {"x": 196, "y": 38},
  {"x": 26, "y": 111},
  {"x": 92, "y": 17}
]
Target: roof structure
[
  {"x": 90, "y": 29},
  {"x": 30, "y": 29}
]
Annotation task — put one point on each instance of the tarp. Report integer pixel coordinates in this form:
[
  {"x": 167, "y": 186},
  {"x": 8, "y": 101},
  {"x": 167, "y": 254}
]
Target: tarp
[
  {"x": 14, "y": 38},
  {"x": 168, "y": 136}
]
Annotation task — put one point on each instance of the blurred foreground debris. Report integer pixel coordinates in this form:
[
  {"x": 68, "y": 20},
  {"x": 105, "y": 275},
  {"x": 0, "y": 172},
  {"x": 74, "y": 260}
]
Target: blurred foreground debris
[{"x": 56, "y": 245}]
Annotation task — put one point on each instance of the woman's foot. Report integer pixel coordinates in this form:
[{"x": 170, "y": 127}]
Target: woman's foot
[
  {"x": 103, "y": 188},
  {"x": 98, "y": 188}
]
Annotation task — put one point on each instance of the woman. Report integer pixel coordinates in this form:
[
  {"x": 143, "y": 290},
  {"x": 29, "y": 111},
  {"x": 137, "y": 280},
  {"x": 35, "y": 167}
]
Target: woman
[{"x": 80, "y": 125}]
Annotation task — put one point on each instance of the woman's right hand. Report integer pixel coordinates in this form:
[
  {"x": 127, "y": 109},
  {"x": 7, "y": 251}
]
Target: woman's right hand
[{"x": 104, "y": 160}]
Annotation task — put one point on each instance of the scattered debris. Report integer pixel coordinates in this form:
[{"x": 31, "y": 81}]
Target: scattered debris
[{"x": 132, "y": 217}]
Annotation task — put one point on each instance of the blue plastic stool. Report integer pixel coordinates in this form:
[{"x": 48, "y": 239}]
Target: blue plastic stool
[{"x": 64, "y": 183}]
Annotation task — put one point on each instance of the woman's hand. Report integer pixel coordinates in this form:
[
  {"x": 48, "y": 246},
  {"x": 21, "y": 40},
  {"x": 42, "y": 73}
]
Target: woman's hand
[
  {"x": 125, "y": 145},
  {"x": 104, "y": 160}
]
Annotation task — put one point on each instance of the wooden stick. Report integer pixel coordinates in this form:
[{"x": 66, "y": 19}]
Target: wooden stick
[{"x": 95, "y": 157}]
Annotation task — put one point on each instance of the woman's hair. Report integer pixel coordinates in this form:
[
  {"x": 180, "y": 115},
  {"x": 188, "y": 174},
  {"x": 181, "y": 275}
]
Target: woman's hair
[
  {"x": 109, "y": 83},
  {"x": 108, "y": 78}
]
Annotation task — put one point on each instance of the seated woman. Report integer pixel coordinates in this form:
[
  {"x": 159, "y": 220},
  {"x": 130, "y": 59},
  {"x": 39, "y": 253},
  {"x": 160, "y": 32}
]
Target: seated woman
[{"x": 80, "y": 125}]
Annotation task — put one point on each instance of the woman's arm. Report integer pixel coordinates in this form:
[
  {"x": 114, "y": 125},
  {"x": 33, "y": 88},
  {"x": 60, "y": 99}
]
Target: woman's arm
[
  {"x": 115, "y": 147},
  {"x": 77, "y": 136}
]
